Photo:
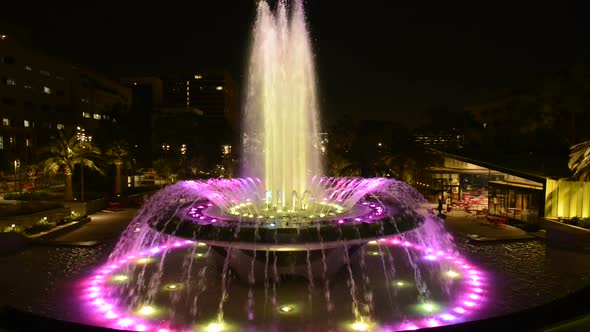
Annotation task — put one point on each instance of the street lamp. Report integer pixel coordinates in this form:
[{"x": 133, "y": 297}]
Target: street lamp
[
  {"x": 82, "y": 138},
  {"x": 16, "y": 175}
]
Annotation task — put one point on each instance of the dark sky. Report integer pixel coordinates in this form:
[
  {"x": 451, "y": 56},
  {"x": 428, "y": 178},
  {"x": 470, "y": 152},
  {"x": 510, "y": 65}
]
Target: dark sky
[{"x": 375, "y": 59}]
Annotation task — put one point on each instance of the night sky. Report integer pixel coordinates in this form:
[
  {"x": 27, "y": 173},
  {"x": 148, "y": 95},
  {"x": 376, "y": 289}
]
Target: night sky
[{"x": 374, "y": 60}]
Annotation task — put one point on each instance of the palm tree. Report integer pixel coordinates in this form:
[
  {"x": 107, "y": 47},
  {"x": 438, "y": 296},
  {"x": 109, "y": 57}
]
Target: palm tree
[
  {"x": 64, "y": 153},
  {"x": 117, "y": 154},
  {"x": 579, "y": 162}
]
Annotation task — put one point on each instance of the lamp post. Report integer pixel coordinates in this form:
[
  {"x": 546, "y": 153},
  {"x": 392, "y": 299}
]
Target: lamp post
[
  {"x": 82, "y": 138},
  {"x": 17, "y": 175}
]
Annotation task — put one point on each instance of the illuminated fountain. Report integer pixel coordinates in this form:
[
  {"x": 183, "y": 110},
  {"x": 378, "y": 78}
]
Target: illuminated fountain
[{"x": 283, "y": 248}]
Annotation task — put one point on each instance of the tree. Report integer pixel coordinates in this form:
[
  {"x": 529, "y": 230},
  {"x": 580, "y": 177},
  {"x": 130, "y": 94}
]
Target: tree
[
  {"x": 64, "y": 153},
  {"x": 32, "y": 172},
  {"x": 117, "y": 155},
  {"x": 579, "y": 162}
]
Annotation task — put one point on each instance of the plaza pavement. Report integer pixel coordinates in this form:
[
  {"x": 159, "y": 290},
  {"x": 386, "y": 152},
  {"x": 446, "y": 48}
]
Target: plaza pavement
[{"x": 104, "y": 225}]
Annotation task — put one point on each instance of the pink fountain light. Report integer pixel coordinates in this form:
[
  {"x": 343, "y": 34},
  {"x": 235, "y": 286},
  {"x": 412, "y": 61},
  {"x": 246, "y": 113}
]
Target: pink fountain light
[{"x": 109, "y": 315}]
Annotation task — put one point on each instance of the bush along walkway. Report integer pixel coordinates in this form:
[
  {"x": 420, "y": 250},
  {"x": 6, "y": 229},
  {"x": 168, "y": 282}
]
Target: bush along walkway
[{"x": 43, "y": 226}]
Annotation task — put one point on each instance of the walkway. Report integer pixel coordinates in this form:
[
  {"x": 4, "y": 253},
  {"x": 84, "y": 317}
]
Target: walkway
[{"x": 104, "y": 225}]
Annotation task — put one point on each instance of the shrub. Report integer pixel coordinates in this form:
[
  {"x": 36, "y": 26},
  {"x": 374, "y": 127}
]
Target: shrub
[
  {"x": 572, "y": 221},
  {"x": 585, "y": 222},
  {"x": 72, "y": 217},
  {"x": 16, "y": 229},
  {"x": 40, "y": 226},
  {"x": 37, "y": 195}
]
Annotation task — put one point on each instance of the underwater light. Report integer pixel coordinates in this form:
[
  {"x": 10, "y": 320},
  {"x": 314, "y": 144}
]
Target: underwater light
[
  {"x": 428, "y": 307},
  {"x": 215, "y": 327},
  {"x": 144, "y": 260},
  {"x": 172, "y": 287},
  {"x": 360, "y": 326},
  {"x": 146, "y": 310},
  {"x": 286, "y": 309}
]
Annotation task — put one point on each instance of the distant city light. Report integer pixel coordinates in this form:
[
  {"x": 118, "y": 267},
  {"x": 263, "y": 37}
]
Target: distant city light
[
  {"x": 219, "y": 88},
  {"x": 198, "y": 77}
]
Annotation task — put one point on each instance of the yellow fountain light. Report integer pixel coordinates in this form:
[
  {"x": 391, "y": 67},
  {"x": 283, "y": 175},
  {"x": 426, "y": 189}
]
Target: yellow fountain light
[
  {"x": 146, "y": 310},
  {"x": 285, "y": 309},
  {"x": 172, "y": 287},
  {"x": 215, "y": 327},
  {"x": 400, "y": 283},
  {"x": 201, "y": 244},
  {"x": 359, "y": 326},
  {"x": 374, "y": 253},
  {"x": 452, "y": 274},
  {"x": 144, "y": 260},
  {"x": 428, "y": 307},
  {"x": 120, "y": 278},
  {"x": 373, "y": 242},
  {"x": 200, "y": 255}
]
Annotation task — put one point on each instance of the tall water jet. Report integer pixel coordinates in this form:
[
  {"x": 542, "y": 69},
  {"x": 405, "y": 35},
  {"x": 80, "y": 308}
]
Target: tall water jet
[{"x": 281, "y": 142}]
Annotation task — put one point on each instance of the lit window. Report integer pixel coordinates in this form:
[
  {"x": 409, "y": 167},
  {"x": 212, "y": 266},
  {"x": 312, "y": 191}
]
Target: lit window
[
  {"x": 6, "y": 121},
  {"x": 27, "y": 123},
  {"x": 28, "y": 67},
  {"x": 2, "y": 37},
  {"x": 86, "y": 115},
  {"x": 27, "y": 86},
  {"x": 47, "y": 90},
  {"x": 97, "y": 116},
  {"x": 59, "y": 126},
  {"x": 44, "y": 73},
  {"x": 11, "y": 140},
  {"x": 1, "y": 142},
  {"x": 85, "y": 100},
  {"x": 10, "y": 81},
  {"x": 27, "y": 142},
  {"x": 198, "y": 77},
  {"x": 219, "y": 88}
]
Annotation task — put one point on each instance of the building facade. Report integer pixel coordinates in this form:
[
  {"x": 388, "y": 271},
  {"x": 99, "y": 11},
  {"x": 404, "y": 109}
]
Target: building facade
[{"x": 40, "y": 94}]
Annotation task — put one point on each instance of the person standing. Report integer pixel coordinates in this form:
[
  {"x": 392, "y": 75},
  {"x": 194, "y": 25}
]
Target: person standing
[{"x": 440, "y": 206}]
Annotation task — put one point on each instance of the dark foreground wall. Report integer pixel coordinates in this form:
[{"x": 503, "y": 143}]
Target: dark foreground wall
[{"x": 562, "y": 311}]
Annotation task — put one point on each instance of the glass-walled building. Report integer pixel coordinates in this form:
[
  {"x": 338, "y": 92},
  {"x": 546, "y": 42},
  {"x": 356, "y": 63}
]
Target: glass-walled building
[
  {"x": 521, "y": 201},
  {"x": 487, "y": 190}
]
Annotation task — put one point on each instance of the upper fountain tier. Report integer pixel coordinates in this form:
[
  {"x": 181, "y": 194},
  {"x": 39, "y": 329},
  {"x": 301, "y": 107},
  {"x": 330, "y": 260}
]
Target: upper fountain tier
[
  {"x": 248, "y": 197},
  {"x": 281, "y": 141}
]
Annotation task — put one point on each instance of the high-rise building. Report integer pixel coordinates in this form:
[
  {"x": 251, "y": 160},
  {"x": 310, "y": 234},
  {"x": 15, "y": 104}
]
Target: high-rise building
[
  {"x": 439, "y": 138},
  {"x": 189, "y": 114},
  {"x": 40, "y": 94},
  {"x": 147, "y": 102},
  {"x": 211, "y": 92}
]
